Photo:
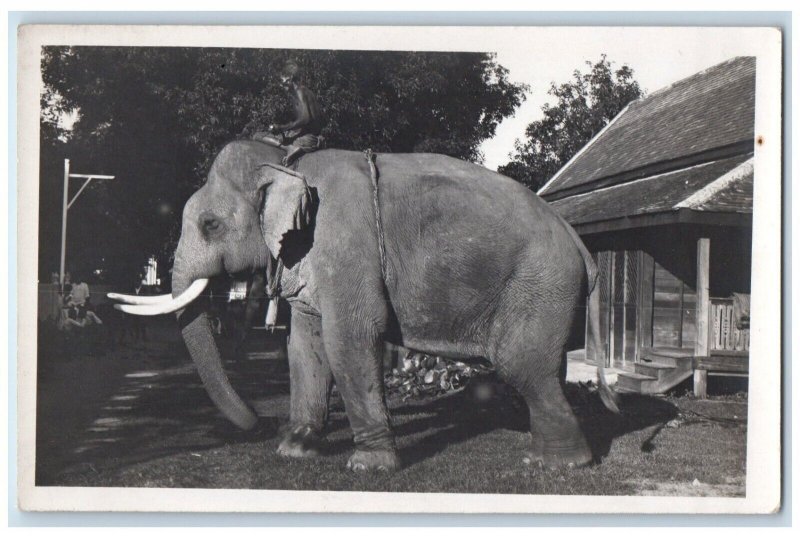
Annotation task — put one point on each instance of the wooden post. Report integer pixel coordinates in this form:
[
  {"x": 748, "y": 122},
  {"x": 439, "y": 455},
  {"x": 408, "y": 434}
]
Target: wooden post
[
  {"x": 67, "y": 203},
  {"x": 644, "y": 314},
  {"x": 628, "y": 314},
  {"x": 702, "y": 319},
  {"x": 64, "y": 208},
  {"x": 612, "y": 308}
]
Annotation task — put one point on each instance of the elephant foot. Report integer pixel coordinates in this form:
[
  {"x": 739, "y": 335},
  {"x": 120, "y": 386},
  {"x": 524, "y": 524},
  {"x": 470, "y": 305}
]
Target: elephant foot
[
  {"x": 373, "y": 460},
  {"x": 301, "y": 442},
  {"x": 553, "y": 459},
  {"x": 533, "y": 457}
]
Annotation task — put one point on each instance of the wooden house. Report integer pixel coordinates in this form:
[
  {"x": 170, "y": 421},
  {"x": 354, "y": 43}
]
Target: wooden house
[{"x": 663, "y": 198}]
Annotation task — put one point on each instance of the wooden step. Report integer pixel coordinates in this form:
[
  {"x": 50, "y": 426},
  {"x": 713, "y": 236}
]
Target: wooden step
[
  {"x": 668, "y": 356},
  {"x": 653, "y": 369},
  {"x": 670, "y": 351},
  {"x": 263, "y": 355},
  {"x": 667, "y": 376},
  {"x": 633, "y": 382},
  {"x": 654, "y": 377}
]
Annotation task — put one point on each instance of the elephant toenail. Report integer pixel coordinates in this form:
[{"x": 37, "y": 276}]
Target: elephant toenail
[
  {"x": 359, "y": 467},
  {"x": 383, "y": 469},
  {"x": 526, "y": 461}
]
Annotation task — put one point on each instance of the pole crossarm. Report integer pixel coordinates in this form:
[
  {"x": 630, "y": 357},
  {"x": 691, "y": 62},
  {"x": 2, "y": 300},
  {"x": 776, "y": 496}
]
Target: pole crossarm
[
  {"x": 67, "y": 204},
  {"x": 88, "y": 178}
]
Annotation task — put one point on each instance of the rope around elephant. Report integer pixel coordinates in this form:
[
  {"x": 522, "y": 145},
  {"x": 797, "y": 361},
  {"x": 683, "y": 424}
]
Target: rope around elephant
[{"x": 373, "y": 169}]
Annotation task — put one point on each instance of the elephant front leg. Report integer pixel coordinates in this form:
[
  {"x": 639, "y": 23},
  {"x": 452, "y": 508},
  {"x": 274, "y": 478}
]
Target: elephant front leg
[
  {"x": 310, "y": 383},
  {"x": 355, "y": 358}
]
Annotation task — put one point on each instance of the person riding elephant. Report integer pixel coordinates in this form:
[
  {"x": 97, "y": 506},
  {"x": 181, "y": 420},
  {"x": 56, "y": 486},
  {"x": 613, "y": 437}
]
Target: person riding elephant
[
  {"x": 302, "y": 134},
  {"x": 420, "y": 250}
]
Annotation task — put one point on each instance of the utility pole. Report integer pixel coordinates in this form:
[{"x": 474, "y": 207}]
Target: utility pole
[{"x": 67, "y": 203}]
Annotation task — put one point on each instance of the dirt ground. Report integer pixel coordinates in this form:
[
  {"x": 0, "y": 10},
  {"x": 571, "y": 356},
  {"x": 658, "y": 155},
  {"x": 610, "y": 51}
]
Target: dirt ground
[{"x": 138, "y": 416}]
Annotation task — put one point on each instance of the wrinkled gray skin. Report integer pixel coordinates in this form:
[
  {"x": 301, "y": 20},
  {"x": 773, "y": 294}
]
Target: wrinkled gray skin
[{"x": 478, "y": 266}]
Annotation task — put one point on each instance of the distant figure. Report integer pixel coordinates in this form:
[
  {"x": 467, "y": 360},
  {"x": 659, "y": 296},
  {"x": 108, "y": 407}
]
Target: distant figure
[
  {"x": 50, "y": 300},
  {"x": 66, "y": 288},
  {"x": 302, "y": 135},
  {"x": 74, "y": 318},
  {"x": 80, "y": 292},
  {"x": 80, "y": 312},
  {"x": 81, "y": 316},
  {"x": 65, "y": 293},
  {"x": 741, "y": 310},
  {"x": 138, "y": 330}
]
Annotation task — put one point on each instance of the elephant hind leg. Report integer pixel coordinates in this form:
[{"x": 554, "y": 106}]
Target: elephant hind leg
[
  {"x": 556, "y": 438},
  {"x": 529, "y": 359}
]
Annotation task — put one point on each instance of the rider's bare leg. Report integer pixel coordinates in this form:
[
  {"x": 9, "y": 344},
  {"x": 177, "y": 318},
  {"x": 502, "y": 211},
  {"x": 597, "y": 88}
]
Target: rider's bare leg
[
  {"x": 270, "y": 140},
  {"x": 292, "y": 154}
]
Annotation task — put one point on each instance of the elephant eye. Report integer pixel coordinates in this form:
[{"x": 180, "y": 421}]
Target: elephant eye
[{"x": 210, "y": 224}]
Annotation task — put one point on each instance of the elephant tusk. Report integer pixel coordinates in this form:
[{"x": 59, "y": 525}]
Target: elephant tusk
[
  {"x": 169, "y": 305},
  {"x": 139, "y": 299}
]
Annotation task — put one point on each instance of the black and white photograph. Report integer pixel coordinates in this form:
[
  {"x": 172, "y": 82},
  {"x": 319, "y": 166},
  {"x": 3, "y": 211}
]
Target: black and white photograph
[{"x": 529, "y": 269}]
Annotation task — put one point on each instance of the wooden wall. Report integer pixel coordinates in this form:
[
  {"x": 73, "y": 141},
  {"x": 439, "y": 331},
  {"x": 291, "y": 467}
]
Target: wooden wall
[
  {"x": 647, "y": 280},
  {"x": 642, "y": 305},
  {"x": 626, "y": 304},
  {"x": 674, "y": 314}
]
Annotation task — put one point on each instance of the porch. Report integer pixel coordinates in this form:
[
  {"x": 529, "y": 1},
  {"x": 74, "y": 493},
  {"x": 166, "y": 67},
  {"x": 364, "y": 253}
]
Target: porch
[{"x": 658, "y": 328}]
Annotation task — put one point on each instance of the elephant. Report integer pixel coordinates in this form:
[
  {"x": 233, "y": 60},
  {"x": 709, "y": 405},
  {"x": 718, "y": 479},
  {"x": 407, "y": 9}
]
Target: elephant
[{"x": 434, "y": 254}]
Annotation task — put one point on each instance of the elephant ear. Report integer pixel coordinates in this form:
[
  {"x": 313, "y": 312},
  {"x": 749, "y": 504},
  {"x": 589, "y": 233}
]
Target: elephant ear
[{"x": 286, "y": 205}]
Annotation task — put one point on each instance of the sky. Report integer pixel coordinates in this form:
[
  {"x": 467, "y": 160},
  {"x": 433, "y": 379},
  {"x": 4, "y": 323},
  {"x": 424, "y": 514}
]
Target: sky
[{"x": 658, "y": 56}]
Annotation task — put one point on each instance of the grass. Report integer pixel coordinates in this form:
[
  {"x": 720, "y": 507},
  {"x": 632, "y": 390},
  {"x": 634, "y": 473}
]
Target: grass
[{"x": 157, "y": 428}]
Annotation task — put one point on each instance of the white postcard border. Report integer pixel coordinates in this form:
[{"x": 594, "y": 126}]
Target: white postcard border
[{"x": 764, "y": 427}]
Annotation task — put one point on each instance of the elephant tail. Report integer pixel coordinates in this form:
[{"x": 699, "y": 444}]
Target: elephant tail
[{"x": 607, "y": 395}]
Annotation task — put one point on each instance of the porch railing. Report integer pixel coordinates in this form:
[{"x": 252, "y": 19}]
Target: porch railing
[{"x": 723, "y": 333}]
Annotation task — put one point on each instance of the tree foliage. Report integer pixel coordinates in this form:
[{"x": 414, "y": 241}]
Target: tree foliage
[
  {"x": 584, "y": 105},
  {"x": 155, "y": 117}
]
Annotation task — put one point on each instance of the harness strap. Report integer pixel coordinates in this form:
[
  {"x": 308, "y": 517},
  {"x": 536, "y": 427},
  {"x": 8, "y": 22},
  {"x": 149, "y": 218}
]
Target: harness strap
[
  {"x": 371, "y": 158},
  {"x": 273, "y": 291},
  {"x": 274, "y": 279}
]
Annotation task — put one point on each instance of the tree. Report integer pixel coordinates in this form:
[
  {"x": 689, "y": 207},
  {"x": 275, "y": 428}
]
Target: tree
[
  {"x": 583, "y": 107},
  {"x": 156, "y": 116}
]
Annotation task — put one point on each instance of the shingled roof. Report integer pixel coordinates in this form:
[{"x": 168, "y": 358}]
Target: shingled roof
[{"x": 665, "y": 148}]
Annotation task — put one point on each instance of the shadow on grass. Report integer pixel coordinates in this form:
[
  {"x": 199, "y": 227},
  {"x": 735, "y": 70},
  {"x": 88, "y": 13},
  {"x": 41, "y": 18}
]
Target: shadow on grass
[
  {"x": 637, "y": 412},
  {"x": 157, "y": 408},
  {"x": 452, "y": 419}
]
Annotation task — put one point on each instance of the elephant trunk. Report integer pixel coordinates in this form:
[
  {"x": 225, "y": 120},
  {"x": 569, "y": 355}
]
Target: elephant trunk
[{"x": 196, "y": 332}]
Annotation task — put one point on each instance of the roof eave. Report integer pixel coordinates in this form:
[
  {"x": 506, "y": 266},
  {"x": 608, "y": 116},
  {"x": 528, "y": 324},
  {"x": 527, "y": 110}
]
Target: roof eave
[
  {"x": 673, "y": 216},
  {"x": 654, "y": 169}
]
